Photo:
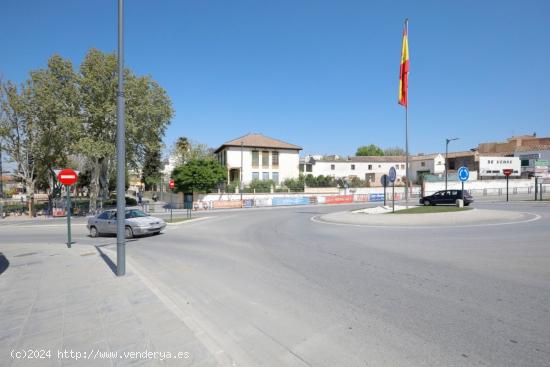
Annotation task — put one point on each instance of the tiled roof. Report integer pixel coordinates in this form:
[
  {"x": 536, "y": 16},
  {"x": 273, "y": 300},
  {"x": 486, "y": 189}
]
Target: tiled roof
[{"x": 258, "y": 141}]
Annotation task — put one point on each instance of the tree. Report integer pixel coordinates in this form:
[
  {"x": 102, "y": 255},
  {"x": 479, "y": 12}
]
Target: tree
[
  {"x": 150, "y": 173},
  {"x": 148, "y": 112},
  {"x": 394, "y": 151},
  {"x": 20, "y": 134},
  {"x": 199, "y": 175},
  {"x": 369, "y": 150},
  {"x": 185, "y": 150}
]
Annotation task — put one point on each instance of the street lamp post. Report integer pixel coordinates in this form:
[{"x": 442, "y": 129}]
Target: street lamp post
[
  {"x": 120, "y": 153},
  {"x": 447, "y": 141},
  {"x": 241, "y": 176}
]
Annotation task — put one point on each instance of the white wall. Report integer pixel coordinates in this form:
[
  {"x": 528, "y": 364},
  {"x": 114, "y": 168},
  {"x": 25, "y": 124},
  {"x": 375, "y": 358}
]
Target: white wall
[
  {"x": 343, "y": 168},
  {"x": 434, "y": 165}
]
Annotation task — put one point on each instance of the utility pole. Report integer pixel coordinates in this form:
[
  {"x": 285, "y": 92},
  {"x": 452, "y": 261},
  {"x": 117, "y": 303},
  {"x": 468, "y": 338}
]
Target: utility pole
[
  {"x": 121, "y": 153},
  {"x": 447, "y": 141},
  {"x": 241, "y": 178}
]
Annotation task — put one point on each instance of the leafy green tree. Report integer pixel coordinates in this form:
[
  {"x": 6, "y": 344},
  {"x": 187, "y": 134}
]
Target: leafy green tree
[
  {"x": 148, "y": 112},
  {"x": 186, "y": 150},
  {"x": 151, "y": 172},
  {"x": 295, "y": 184},
  {"x": 369, "y": 150},
  {"x": 394, "y": 151},
  {"x": 199, "y": 175}
]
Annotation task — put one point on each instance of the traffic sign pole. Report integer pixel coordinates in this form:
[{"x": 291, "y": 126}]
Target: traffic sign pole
[
  {"x": 393, "y": 197},
  {"x": 69, "y": 242},
  {"x": 507, "y": 177}
]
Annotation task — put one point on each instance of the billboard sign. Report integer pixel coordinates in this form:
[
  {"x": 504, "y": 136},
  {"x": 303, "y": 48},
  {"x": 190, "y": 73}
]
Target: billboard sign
[{"x": 494, "y": 166}]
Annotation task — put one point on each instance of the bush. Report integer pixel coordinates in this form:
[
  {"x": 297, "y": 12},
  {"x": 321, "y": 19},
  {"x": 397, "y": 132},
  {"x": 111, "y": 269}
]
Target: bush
[
  {"x": 294, "y": 184},
  {"x": 261, "y": 185},
  {"x": 112, "y": 201}
]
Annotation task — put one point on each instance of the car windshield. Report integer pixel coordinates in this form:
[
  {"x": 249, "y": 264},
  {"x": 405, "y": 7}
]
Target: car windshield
[{"x": 135, "y": 213}]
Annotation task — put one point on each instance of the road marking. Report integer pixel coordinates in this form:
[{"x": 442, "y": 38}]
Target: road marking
[
  {"x": 535, "y": 218},
  {"x": 188, "y": 221}
]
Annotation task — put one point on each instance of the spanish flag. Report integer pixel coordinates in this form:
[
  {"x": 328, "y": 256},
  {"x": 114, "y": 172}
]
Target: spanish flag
[{"x": 404, "y": 69}]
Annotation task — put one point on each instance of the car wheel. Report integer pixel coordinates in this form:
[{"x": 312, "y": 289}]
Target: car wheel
[
  {"x": 128, "y": 232},
  {"x": 466, "y": 204},
  {"x": 427, "y": 203},
  {"x": 156, "y": 233},
  {"x": 94, "y": 232}
]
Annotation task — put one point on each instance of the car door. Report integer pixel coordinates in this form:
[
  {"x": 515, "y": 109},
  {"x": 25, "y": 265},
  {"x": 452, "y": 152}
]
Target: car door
[
  {"x": 111, "y": 223},
  {"x": 100, "y": 222},
  {"x": 438, "y": 197}
]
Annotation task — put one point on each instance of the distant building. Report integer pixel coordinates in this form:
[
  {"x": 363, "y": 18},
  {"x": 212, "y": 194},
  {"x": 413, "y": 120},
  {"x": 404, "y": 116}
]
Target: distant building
[
  {"x": 426, "y": 164},
  {"x": 368, "y": 168},
  {"x": 259, "y": 157}
]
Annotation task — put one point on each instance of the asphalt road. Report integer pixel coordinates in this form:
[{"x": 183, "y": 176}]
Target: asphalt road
[{"x": 273, "y": 288}]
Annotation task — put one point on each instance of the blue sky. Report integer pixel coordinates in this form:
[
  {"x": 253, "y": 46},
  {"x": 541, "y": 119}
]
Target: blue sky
[{"x": 320, "y": 74}]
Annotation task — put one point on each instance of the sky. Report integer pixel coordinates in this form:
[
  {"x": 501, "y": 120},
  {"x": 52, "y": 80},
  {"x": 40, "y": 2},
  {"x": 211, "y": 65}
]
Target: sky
[{"x": 319, "y": 74}]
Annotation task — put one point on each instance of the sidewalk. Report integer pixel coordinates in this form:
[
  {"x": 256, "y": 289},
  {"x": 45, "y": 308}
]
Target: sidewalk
[{"x": 62, "y": 300}]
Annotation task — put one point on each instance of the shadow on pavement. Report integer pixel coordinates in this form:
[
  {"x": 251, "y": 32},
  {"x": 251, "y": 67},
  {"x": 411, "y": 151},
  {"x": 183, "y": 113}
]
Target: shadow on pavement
[
  {"x": 106, "y": 258},
  {"x": 4, "y": 263}
]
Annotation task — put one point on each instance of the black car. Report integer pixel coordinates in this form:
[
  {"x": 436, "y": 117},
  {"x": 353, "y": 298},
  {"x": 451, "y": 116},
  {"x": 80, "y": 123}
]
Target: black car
[{"x": 447, "y": 197}]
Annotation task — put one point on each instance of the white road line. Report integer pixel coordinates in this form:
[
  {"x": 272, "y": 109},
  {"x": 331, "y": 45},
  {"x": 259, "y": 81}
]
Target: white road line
[{"x": 535, "y": 218}]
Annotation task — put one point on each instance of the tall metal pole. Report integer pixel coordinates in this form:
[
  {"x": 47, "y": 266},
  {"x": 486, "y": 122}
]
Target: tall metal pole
[
  {"x": 407, "y": 151},
  {"x": 446, "y": 153},
  {"x": 447, "y": 141},
  {"x": 120, "y": 152},
  {"x": 241, "y": 178}
]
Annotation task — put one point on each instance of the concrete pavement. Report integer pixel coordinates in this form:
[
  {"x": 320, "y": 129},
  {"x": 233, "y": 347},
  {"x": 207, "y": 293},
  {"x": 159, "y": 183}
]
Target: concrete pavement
[{"x": 65, "y": 307}]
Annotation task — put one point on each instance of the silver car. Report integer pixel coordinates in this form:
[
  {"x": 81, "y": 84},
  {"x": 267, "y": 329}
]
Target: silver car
[{"x": 137, "y": 223}]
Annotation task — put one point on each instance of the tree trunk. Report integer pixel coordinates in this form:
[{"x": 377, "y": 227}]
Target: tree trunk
[
  {"x": 30, "y": 197},
  {"x": 94, "y": 185}
]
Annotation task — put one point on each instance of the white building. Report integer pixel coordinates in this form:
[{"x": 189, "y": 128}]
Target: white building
[
  {"x": 535, "y": 161},
  {"x": 259, "y": 157},
  {"x": 433, "y": 164},
  {"x": 368, "y": 168}
]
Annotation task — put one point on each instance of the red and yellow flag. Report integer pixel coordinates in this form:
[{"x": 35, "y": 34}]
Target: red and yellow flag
[{"x": 404, "y": 69}]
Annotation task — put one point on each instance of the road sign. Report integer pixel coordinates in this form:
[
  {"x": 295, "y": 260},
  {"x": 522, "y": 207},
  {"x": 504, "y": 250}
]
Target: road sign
[
  {"x": 507, "y": 171},
  {"x": 67, "y": 176},
  {"x": 384, "y": 180},
  {"x": 171, "y": 184},
  {"x": 392, "y": 174},
  {"x": 463, "y": 174}
]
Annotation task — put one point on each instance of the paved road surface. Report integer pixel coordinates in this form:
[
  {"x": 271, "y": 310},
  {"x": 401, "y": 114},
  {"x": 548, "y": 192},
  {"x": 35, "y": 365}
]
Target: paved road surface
[{"x": 274, "y": 288}]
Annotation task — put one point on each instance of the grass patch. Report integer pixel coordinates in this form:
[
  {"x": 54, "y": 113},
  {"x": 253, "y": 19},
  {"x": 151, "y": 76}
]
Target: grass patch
[{"x": 431, "y": 209}]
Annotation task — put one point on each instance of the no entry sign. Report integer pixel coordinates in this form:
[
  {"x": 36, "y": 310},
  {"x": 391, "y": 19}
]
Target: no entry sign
[
  {"x": 171, "y": 184},
  {"x": 67, "y": 176},
  {"x": 507, "y": 171}
]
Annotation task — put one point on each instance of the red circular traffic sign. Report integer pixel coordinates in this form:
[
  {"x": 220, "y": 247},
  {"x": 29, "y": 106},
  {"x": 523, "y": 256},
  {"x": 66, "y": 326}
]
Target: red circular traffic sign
[
  {"x": 67, "y": 177},
  {"x": 171, "y": 184},
  {"x": 507, "y": 171}
]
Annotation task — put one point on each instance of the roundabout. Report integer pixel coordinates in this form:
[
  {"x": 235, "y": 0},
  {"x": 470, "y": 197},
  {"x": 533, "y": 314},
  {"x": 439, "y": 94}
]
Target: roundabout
[{"x": 383, "y": 217}]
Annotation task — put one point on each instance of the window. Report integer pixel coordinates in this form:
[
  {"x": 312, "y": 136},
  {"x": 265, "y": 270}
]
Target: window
[
  {"x": 275, "y": 159},
  {"x": 275, "y": 177},
  {"x": 265, "y": 159},
  {"x": 370, "y": 166},
  {"x": 309, "y": 168},
  {"x": 402, "y": 166},
  {"x": 104, "y": 215},
  {"x": 332, "y": 167},
  {"x": 353, "y": 167},
  {"x": 255, "y": 175},
  {"x": 423, "y": 164},
  {"x": 265, "y": 176},
  {"x": 255, "y": 158}
]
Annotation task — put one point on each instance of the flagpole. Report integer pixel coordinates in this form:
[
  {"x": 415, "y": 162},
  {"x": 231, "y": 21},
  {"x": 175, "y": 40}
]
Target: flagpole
[
  {"x": 407, "y": 133},
  {"x": 407, "y": 157}
]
